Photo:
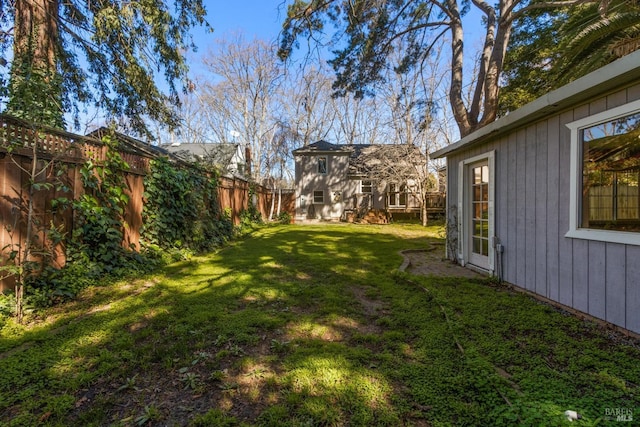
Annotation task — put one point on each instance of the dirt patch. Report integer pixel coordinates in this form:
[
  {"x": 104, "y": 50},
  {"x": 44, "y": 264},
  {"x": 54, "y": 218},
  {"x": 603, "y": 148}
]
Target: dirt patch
[
  {"x": 432, "y": 262},
  {"x": 372, "y": 309}
]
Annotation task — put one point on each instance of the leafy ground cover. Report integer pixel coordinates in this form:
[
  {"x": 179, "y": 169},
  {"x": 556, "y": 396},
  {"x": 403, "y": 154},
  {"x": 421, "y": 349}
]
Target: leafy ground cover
[{"x": 306, "y": 326}]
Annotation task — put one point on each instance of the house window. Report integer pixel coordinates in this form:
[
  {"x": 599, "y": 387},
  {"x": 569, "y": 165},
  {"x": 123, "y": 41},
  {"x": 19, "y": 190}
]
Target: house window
[
  {"x": 397, "y": 195},
  {"x": 322, "y": 165},
  {"x": 366, "y": 187},
  {"x": 318, "y": 197},
  {"x": 605, "y": 201}
]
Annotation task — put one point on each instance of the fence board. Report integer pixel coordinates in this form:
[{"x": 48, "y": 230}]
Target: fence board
[{"x": 72, "y": 151}]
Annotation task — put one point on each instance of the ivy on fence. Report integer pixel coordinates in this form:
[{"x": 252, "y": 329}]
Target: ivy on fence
[
  {"x": 181, "y": 208},
  {"x": 100, "y": 209}
]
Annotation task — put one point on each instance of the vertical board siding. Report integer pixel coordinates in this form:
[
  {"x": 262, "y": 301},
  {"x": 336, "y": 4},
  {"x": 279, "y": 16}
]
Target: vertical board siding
[
  {"x": 565, "y": 246},
  {"x": 452, "y": 206},
  {"x": 501, "y": 209},
  {"x": 530, "y": 193},
  {"x": 520, "y": 212},
  {"x": 632, "y": 298},
  {"x": 615, "y": 283},
  {"x": 532, "y": 218},
  {"x": 553, "y": 213},
  {"x": 597, "y": 271},
  {"x": 541, "y": 204},
  {"x": 510, "y": 255},
  {"x": 581, "y": 275}
]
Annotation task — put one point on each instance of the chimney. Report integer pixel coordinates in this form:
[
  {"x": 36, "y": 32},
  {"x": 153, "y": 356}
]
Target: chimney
[{"x": 247, "y": 159}]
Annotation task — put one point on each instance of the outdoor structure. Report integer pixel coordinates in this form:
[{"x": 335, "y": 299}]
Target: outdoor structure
[
  {"x": 355, "y": 182},
  {"x": 547, "y": 196},
  {"x": 232, "y": 159}
]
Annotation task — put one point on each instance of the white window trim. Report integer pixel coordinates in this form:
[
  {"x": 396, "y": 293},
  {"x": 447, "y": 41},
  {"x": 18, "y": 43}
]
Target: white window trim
[
  {"x": 396, "y": 195},
  {"x": 575, "y": 232},
  {"x": 313, "y": 197},
  {"x": 362, "y": 186},
  {"x": 463, "y": 215}
]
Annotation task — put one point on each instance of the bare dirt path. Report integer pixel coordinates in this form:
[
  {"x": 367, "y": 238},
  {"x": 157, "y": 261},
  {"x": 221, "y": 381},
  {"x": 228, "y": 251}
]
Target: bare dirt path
[{"x": 432, "y": 262}]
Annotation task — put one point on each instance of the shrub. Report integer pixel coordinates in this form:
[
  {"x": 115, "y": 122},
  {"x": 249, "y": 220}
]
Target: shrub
[{"x": 284, "y": 218}]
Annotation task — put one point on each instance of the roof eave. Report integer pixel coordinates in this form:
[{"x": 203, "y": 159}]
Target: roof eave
[{"x": 608, "y": 78}]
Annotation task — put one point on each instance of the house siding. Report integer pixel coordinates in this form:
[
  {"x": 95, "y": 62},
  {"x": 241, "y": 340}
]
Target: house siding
[
  {"x": 532, "y": 217},
  {"x": 335, "y": 180}
]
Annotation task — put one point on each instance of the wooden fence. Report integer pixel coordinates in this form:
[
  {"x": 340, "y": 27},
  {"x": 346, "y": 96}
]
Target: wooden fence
[{"x": 71, "y": 151}]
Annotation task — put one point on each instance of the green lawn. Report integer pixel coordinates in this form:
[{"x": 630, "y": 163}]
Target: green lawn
[{"x": 312, "y": 326}]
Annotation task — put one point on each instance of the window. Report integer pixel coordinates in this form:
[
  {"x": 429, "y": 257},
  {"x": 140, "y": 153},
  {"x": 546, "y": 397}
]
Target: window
[
  {"x": 322, "y": 165},
  {"x": 605, "y": 202},
  {"x": 366, "y": 187},
  {"x": 397, "y": 194},
  {"x": 318, "y": 197}
]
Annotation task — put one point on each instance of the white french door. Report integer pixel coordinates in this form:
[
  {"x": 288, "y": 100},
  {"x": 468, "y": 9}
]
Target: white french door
[
  {"x": 478, "y": 234},
  {"x": 476, "y": 215}
]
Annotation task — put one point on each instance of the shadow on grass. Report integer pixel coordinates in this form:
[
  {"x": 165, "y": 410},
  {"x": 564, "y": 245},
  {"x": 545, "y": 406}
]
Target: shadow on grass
[{"x": 314, "y": 326}]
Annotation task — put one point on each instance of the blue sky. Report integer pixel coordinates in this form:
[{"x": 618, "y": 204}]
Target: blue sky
[{"x": 255, "y": 18}]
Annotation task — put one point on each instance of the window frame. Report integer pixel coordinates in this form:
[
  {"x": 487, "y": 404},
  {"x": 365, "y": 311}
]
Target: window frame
[
  {"x": 326, "y": 164},
  {"x": 401, "y": 193},
  {"x": 362, "y": 186},
  {"x": 576, "y": 231},
  {"x": 315, "y": 192}
]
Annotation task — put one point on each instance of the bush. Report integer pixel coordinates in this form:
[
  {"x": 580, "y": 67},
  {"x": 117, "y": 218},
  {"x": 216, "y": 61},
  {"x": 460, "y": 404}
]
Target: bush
[{"x": 284, "y": 218}]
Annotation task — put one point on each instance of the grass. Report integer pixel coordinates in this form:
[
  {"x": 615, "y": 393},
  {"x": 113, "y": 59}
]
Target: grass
[{"x": 306, "y": 326}]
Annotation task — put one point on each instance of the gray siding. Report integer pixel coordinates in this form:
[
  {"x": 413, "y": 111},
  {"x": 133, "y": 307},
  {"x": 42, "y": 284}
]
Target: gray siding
[
  {"x": 532, "y": 217},
  {"x": 309, "y": 180}
]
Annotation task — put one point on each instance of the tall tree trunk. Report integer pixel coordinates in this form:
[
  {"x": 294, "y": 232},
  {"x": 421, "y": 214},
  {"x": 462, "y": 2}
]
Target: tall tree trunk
[
  {"x": 273, "y": 201},
  {"x": 279, "y": 202},
  {"x": 35, "y": 91},
  {"x": 36, "y": 32}
]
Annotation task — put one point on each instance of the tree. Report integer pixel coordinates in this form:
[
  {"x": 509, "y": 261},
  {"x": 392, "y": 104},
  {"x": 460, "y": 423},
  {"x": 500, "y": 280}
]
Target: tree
[
  {"x": 247, "y": 77},
  {"x": 35, "y": 231},
  {"x": 401, "y": 164},
  {"x": 594, "y": 35},
  {"x": 551, "y": 48},
  {"x": 307, "y": 103},
  {"x": 277, "y": 156},
  {"x": 532, "y": 53},
  {"x": 103, "y": 52},
  {"x": 372, "y": 27}
]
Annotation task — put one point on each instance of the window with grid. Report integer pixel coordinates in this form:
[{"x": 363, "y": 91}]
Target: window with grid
[
  {"x": 318, "y": 196},
  {"x": 610, "y": 174}
]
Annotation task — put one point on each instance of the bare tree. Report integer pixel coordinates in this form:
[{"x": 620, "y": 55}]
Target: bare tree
[
  {"x": 307, "y": 103},
  {"x": 401, "y": 164},
  {"x": 247, "y": 77},
  {"x": 359, "y": 121}
]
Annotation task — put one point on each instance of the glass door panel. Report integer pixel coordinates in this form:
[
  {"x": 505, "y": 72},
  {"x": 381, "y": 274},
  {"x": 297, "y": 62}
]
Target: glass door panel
[{"x": 479, "y": 174}]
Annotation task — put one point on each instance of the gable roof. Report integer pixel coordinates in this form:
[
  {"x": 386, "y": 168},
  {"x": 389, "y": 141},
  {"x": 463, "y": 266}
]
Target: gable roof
[
  {"x": 613, "y": 76},
  {"x": 364, "y": 158},
  {"x": 323, "y": 146},
  {"x": 219, "y": 154}
]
